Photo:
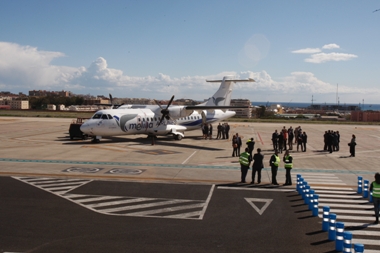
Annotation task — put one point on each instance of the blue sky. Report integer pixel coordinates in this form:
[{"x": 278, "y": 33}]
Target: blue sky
[{"x": 155, "y": 49}]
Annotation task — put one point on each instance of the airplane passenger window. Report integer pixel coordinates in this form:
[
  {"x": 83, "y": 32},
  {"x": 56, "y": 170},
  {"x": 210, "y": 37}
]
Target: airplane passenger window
[
  {"x": 104, "y": 116},
  {"x": 97, "y": 116},
  {"x": 151, "y": 119},
  {"x": 139, "y": 119},
  {"x": 147, "y": 119},
  {"x": 191, "y": 117},
  {"x": 155, "y": 119},
  {"x": 143, "y": 119}
]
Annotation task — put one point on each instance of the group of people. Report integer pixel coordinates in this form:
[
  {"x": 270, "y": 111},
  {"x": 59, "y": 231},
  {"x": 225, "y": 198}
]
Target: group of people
[
  {"x": 222, "y": 131},
  {"x": 285, "y": 139},
  {"x": 331, "y": 140},
  {"x": 246, "y": 158},
  {"x": 207, "y": 131}
]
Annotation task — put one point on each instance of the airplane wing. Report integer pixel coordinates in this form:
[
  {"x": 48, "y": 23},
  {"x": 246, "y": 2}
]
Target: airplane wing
[{"x": 205, "y": 107}]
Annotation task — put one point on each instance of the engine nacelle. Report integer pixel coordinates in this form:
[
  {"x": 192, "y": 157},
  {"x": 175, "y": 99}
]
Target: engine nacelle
[{"x": 179, "y": 112}]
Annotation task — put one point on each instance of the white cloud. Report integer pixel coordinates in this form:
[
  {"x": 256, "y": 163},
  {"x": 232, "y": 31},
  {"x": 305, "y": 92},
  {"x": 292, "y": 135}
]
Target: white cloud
[
  {"x": 24, "y": 68},
  {"x": 331, "y": 46},
  {"x": 323, "y": 57},
  {"x": 307, "y": 51}
]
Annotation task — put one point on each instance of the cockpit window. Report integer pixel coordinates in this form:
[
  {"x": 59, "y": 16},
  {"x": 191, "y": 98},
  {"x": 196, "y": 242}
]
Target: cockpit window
[
  {"x": 109, "y": 116},
  {"x": 104, "y": 116},
  {"x": 97, "y": 116}
]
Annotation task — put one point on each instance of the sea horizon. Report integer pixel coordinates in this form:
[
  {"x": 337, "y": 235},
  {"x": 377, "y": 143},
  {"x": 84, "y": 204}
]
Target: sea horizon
[{"x": 363, "y": 107}]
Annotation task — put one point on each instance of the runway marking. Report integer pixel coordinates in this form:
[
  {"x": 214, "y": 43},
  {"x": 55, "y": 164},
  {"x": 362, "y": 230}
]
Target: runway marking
[
  {"x": 263, "y": 208},
  {"x": 355, "y": 212},
  {"x": 122, "y": 205}
]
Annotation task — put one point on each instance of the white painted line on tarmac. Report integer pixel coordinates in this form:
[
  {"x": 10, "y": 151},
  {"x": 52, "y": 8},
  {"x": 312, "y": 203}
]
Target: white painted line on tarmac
[
  {"x": 348, "y": 211},
  {"x": 360, "y": 224},
  {"x": 340, "y": 196},
  {"x": 333, "y": 188},
  {"x": 207, "y": 202},
  {"x": 365, "y": 207},
  {"x": 366, "y": 242},
  {"x": 370, "y": 233},
  {"x": 189, "y": 157},
  {"x": 348, "y": 217},
  {"x": 169, "y": 209},
  {"x": 322, "y": 200},
  {"x": 343, "y": 192},
  {"x": 255, "y": 189}
]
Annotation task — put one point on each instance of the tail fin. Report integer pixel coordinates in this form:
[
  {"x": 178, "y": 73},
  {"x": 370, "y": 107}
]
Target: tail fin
[{"x": 222, "y": 97}]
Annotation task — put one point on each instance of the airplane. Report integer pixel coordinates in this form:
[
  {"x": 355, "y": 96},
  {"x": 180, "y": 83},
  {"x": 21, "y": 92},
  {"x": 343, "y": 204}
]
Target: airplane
[{"x": 154, "y": 120}]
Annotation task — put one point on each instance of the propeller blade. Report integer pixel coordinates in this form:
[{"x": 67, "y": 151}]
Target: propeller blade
[{"x": 158, "y": 104}]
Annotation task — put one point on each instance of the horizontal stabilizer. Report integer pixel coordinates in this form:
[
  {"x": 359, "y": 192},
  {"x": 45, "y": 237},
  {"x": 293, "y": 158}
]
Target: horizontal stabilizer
[{"x": 233, "y": 80}]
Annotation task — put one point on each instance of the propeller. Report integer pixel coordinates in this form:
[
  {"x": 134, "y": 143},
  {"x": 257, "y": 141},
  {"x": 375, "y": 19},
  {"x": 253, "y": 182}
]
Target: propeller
[
  {"x": 165, "y": 112},
  {"x": 111, "y": 100}
]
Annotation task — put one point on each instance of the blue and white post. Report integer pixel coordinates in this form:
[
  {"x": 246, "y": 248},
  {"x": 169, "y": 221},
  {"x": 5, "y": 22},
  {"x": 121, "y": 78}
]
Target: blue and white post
[
  {"x": 370, "y": 197},
  {"x": 359, "y": 248},
  {"x": 326, "y": 217},
  {"x": 360, "y": 185},
  {"x": 311, "y": 199},
  {"x": 307, "y": 190},
  {"x": 298, "y": 182},
  {"x": 339, "y": 236},
  {"x": 315, "y": 205},
  {"x": 347, "y": 245},
  {"x": 365, "y": 190},
  {"x": 332, "y": 228}
]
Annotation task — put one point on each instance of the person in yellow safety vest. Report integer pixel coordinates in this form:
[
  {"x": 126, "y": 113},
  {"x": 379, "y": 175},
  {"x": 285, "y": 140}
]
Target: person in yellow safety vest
[
  {"x": 245, "y": 161},
  {"x": 274, "y": 162},
  {"x": 375, "y": 189},
  {"x": 288, "y": 164}
]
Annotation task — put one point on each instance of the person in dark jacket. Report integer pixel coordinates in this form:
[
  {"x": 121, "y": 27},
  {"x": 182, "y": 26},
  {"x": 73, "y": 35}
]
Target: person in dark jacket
[
  {"x": 352, "y": 145},
  {"x": 250, "y": 145},
  {"x": 304, "y": 141},
  {"x": 257, "y": 166}
]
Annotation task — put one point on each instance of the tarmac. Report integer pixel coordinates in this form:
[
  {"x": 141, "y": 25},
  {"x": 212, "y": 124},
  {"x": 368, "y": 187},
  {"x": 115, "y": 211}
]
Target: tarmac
[{"x": 41, "y": 147}]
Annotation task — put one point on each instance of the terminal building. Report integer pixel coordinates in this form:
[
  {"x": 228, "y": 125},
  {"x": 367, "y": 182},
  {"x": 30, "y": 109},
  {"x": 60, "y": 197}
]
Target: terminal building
[
  {"x": 365, "y": 116},
  {"x": 242, "y": 113}
]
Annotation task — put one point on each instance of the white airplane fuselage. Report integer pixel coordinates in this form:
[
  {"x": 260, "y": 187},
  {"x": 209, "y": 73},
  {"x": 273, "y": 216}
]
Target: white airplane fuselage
[{"x": 113, "y": 122}]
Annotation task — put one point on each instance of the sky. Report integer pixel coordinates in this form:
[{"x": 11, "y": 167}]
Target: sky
[{"x": 295, "y": 50}]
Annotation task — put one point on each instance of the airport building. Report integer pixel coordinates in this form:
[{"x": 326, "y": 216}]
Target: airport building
[
  {"x": 242, "y": 113},
  {"x": 15, "y": 104},
  {"x": 365, "y": 116}
]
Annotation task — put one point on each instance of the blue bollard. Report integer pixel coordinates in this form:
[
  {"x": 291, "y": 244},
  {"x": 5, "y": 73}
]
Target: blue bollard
[
  {"x": 347, "y": 245},
  {"x": 306, "y": 199},
  {"x": 300, "y": 186},
  {"x": 315, "y": 205},
  {"x": 365, "y": 190},
  {"x": 311, "y": 199},
  {"x": 298, "y": 182},
  {"x": 326, "y": 218},
  {"x": 360, "y": 185},
  {"x": 303, "y": 193},
  {"x": 339, "y": 236},
  {"x": 359, "y": 248},
  {"x": 332, "y": 231}
]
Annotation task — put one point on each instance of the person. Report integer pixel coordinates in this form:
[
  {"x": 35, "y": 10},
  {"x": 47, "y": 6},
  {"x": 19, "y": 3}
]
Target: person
[
  {"x": 290, "y": 138},
  {"x": 238, "y": 139},
  {"x": 224, "y": 131},
  {"x": 210, "y": 131},
  {"x": 275, "y": 140},
  {"x": 300, "y": 142},
  {"x": 285, "y": 135},
  {"x": 338, "y": 137},
  {"x": 352, "y": 145},
  {"x": 250, "y": 145},
  {"x": 234, "y": 146},
  {"x": 288, "y": 164},
  {"x": 227, "y": 130},
  {"x": 257, "y": 166},
  {"x": 244, "y": 160},
  {"x": 205, "y": 131},
  {"x": 274, "y": 162},
  {"x": 304, "y": 141},
  {"x": 375, "y": 189},
  {"x": 280, "y": 141},
  {"x": 219, "y": 128}
]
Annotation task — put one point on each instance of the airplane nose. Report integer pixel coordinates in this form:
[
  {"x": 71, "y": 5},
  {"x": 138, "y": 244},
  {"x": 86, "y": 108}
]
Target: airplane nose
[{"x": 85, "y": 128}]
